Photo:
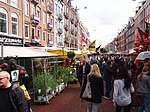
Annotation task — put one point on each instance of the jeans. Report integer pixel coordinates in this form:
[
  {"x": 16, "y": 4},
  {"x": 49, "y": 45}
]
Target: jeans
[
  {"x": 108, "y": 88},
  {"x": 92, "y": 107},
  {"x": 127, "y": 108},
  {"x": 146, "y": 106}
]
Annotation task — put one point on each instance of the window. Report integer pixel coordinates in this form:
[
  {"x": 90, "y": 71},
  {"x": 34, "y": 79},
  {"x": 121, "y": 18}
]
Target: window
[
  {"x": 39, "y": 32},
  {"x": 49, "y": 38},
  {"x": 33, "y": 32},
  {"x": 33, "y": 10},
  {"x": 38, "y": 12},
  {"x": 14, "y": 23},
  {"x": 14, "y": 3},
  {"x": 4, "y": 1},
  {"x": 44, "y": 17},
  {"x": 26, "y": 30},
  {"x": 26, "y": 7},
  {"x": 3, "y": 21},
  {"x": 48, "y": 18},
  {"x": 44, "y": 2},
  {"x": 44, "y": 35}
]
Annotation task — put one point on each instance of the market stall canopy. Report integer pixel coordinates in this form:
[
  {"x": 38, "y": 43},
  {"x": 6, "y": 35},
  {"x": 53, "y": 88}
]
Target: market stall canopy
[
  {"x": 61, "y": 52},
  {"x": 77, "y": 53},
  {"x": 143, "y": 55},
  {"x": 12, "y": 51}
]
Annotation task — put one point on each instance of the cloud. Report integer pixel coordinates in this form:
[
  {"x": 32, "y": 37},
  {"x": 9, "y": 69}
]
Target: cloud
[{"x": 103, "y": 18}]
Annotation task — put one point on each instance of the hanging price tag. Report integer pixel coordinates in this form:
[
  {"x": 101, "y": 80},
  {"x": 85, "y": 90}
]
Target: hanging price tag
[{"x": 15, "y": 75}]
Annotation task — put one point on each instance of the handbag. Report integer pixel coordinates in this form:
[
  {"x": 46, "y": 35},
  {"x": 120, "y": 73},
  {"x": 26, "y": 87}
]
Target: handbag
[
  {"x": 137, "y": 99},
  {"x": 87, "y": 92}
]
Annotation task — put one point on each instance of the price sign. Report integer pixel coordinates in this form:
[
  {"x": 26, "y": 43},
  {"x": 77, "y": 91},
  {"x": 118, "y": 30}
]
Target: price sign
[{"x": 15, "y": 75}]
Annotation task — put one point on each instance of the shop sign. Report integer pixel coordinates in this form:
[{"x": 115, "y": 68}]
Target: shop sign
[{"x": 11, "y": 41}]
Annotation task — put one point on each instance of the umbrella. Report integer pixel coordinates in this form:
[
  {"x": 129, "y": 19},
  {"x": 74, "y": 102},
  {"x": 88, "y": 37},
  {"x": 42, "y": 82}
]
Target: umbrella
[{"x": 143, "y": 55}]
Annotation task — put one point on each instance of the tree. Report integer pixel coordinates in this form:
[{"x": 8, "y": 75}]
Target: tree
[{"x": 71, "y": 54}]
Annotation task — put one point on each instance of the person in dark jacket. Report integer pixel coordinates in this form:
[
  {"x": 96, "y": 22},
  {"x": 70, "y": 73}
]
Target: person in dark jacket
[
  {"x": 78, "y": 73},
  {"x": 97, "y": 89},
  {"x": 108, "y": 79},
  {"x": 84, "y": 69},
  {"x": 12, "y": 97}
]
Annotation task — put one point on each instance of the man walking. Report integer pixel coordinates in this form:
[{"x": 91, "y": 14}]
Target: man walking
[
  {"x": 12, "y": 97},
  {"x": 108, "y": 78}
]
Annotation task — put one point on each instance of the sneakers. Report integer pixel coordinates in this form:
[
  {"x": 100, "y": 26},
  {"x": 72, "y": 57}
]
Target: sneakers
[{"x": 107, "y": 98}]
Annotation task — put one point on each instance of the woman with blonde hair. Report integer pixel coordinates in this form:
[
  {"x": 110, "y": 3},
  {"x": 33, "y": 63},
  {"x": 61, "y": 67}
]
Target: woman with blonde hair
[{"x": 97, "y": 89}]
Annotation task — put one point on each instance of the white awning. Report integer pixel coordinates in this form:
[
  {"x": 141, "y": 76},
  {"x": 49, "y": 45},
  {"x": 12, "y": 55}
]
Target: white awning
[{"x": 11, "y": 51}]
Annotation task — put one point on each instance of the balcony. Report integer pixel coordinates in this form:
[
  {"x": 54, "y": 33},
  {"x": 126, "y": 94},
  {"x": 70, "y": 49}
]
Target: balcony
[
  {"x": 76, "y": 23},
  {"x": 66, "y": 15},
  {"x": 60, "y": 31},
  {"x": 76, "y": 33},
  {"x": 35, "y": 1},
  {"x": 49, "y": 9},
  {"x": 49, "y": 26},
  {"x": 60, "y": 17},
  {"x": 72, "y": 31},
  {"x": 66, "y": 27},
  {"x": 35, "y": 19},
  {"x": 35, "y": 39},
  {"x": 72, "y": 20}
]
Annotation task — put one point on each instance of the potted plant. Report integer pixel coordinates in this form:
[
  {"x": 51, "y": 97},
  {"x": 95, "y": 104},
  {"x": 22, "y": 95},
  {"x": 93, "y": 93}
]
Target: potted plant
[{"x": 39, "y": 85}]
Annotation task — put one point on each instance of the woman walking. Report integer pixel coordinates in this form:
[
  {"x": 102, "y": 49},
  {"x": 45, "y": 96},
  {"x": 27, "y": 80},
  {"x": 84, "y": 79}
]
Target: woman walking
[
  {"x": 122, "y": 90},
  {"x": 97, "y": 89},
  {"x": 143, "y": 87}
]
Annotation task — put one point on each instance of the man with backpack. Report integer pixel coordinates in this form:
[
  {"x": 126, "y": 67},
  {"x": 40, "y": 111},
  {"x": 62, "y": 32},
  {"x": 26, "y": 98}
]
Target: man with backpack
[{"x": 12, "y": 97}]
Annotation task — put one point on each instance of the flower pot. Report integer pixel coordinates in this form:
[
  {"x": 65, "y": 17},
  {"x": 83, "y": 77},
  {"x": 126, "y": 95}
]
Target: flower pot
[{"x": 39, "y": 98}]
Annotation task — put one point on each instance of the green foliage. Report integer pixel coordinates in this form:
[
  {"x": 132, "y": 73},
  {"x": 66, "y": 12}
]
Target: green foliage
[
  {"x": 73, "y": 80},
  {"x": 103, "y": 50},
  {"x": 38, "y": 83},
  {"x": 70, "y": 54},
  {"x": 52, "y": 79}
]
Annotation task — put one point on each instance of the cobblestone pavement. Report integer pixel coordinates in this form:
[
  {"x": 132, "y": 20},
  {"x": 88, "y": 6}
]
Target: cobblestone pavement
[{"x": 68, "y": 101}]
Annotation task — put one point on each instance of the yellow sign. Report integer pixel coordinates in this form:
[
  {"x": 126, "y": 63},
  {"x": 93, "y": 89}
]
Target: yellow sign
[{"x": 92, "y": 46}]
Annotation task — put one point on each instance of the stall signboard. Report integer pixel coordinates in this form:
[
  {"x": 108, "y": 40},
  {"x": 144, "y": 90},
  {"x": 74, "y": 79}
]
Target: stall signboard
[{"x": 11, "y": 41}]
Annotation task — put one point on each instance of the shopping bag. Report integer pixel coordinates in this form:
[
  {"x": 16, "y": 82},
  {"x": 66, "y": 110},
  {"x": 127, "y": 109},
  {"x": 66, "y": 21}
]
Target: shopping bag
[
  {"x": 87, "y": 92},
  {"x": 26, "y": 93},
  {"x": 137, "y": 99}
]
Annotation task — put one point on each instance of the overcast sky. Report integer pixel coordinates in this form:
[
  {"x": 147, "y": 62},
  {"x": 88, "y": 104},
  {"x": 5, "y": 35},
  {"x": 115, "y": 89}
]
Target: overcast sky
[{"x": 105, "y": 18}]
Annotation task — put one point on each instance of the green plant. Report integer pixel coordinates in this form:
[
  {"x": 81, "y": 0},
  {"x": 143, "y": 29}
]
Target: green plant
[
  {"x": 39, "y": 84},
  {"x": 71, "y": 54}
]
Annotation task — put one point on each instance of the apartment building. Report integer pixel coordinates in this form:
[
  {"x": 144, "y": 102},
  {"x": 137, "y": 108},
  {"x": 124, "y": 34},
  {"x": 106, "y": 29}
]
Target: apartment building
[
  {"x": 27, "y": 22},
  {"x": 58, "y": 23},
  {"x": 71, "y": 26},
  {"x": 126, "y": 40},
  {"x": 11, "y": 22},
  {"x": 38, "y": 22}
]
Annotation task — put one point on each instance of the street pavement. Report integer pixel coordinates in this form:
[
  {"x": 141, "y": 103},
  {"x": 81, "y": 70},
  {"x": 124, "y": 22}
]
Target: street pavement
[{"x": 68, "y": 101}]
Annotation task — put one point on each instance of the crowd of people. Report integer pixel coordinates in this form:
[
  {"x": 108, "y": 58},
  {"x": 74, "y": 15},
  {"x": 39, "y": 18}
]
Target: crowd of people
[
  {"x": 118, "y": 75},
  {"x": 121, "y": 76}
]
